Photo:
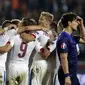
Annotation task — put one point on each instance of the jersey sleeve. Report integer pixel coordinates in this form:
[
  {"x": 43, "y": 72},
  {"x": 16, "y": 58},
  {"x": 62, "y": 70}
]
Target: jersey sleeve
[
  {"x": 11, "y": 41},
  {"x": 52, "y": 46},
  {"x": 38, "y": 46},
  {"x": 37, "y": 34},
  {"x": 63, "y": 46}
]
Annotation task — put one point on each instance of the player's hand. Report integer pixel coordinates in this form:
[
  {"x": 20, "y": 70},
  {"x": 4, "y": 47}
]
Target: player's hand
[
  {"x": 67, "y": 81},
  {"x": 79, "y": 20}
]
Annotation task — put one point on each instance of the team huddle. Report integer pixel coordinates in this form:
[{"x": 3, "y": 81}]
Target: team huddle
[{"x": 42, "y": 53}]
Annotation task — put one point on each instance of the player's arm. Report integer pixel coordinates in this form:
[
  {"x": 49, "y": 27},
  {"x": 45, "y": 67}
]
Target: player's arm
[
  {"x": 63, "y": 49},
  {"x": 65, "y": 67},
  {"x": 82, "y": 41},
  {"x": 64, "y": 62},
  {"x": 2, "y": 30},
  {"x": 82, "y": 28},
  {"x": 51, "y": 45},
  {"x": 28, "y": 37},
  {"x": 29, "y": 28},
  {"x": 8, "y": 46},
  {"x": 42, "y": 50},
  {"x": 34, "y": 27},
  {"x": 5, "y": 48}
]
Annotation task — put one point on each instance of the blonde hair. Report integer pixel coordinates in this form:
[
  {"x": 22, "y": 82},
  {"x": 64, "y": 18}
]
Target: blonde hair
[{"x": 47, "y": 16}]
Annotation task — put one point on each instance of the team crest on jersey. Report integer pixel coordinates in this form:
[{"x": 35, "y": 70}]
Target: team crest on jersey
[{"x": 63, "y": 45}]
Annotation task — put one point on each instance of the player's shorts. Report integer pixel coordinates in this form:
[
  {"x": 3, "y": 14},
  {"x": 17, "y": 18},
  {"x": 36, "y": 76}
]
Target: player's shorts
[
  {"x": 17, "y": 73},
  {"x": 39, "y": 74},
  {"x": 55, "y": 78},
  {"x": 2, "y": 74}
]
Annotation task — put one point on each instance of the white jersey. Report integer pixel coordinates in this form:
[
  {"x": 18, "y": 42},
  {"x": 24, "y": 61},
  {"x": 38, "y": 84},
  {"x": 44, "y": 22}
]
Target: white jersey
[
  {"x": 43, "y": 39},
  {"x": 3, "y": 40},
  {"x": 20, "y": 51}
]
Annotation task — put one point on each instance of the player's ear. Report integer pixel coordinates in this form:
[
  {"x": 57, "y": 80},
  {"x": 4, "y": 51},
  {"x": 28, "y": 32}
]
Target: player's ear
[{"x": 69, "y": 23}]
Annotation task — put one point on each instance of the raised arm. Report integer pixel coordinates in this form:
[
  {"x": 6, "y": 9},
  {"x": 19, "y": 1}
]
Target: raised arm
[
  {"x": 5, "y": 48},
  {"x": 82, "y": 28},
  {"x": 28, "y": 37}
]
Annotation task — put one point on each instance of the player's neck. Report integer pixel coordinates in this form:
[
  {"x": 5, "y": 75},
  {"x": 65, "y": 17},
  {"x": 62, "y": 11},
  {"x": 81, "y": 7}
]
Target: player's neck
[{"x": 68, "y": 30}]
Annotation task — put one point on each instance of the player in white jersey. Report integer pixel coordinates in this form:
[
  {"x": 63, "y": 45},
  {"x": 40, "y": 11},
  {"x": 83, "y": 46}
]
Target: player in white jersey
[
  {"x": 4, "y": 37},
  {"x": 18, "y": 61},
  {"x": 55, "y": 62},
  {"x": 40, "y": 69}
]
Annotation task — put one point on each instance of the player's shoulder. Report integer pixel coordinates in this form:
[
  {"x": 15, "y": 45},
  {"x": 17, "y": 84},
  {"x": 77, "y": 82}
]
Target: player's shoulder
[
  {"x": 15, "y": 37},
  {"x": 40, "y": 32},
  {"x": 64, "y": 35}
]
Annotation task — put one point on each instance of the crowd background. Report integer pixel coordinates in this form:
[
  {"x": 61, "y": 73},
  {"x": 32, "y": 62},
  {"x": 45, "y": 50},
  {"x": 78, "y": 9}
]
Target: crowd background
[{"x": 10, "y": 9}]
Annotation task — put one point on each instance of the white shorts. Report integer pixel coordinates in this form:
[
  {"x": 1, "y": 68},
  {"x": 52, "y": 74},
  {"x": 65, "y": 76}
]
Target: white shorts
[
  {"x": 55, "y": 79},
  {"x": 17, "y": 73},
  {"x": 2, "y": 74},
  {"x": 39, "y": 74}
]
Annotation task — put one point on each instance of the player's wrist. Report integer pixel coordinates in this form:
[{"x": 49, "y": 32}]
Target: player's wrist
[{"x": 67, "y": 75}]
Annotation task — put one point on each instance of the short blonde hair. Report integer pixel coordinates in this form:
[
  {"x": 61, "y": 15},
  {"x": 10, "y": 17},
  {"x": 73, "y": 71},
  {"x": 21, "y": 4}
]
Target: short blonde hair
[{"x": 48, "y": 16}]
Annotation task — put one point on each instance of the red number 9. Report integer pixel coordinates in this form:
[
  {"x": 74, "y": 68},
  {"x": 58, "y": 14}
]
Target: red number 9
[{"x": 23, "y": 48}]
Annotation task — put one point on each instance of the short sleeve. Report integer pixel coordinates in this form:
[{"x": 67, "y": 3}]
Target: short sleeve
[
  {"x": 11, "y": 41},
  {"x": 38, "y": 46},
  {"x": 37, "y": 34},
  {"x": 52, "y": 46},
  {"x": 62, "y": 46}
]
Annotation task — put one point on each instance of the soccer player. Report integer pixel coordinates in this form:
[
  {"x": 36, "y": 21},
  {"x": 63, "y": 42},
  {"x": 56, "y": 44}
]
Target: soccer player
[
  {"x": 4, "y": 37},
  {"x": 53, "y": 58},
  {"x": 40, "y": 69},
  {"x": 66, "y": 48}
]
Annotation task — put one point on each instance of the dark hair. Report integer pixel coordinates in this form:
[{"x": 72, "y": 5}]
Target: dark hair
[
  {"x": 5, "y": 23},
  {"x": 15, "y": 21},
  {"x": 54, "y": 25},
  {"x": 67, "y": 17},
  {"x": 26, "y": 21}
]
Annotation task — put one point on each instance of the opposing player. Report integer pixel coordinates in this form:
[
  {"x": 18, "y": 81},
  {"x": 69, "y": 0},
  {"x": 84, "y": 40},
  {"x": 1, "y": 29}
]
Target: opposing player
[{"x": 66, "y": 48}]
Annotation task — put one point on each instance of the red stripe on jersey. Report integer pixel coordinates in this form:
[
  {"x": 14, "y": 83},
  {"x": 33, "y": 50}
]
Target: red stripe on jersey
[
  {"x": 8, "y": 42},
  {"x": 33, "y": 35},
  {"x": 42, "y": 50}
]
